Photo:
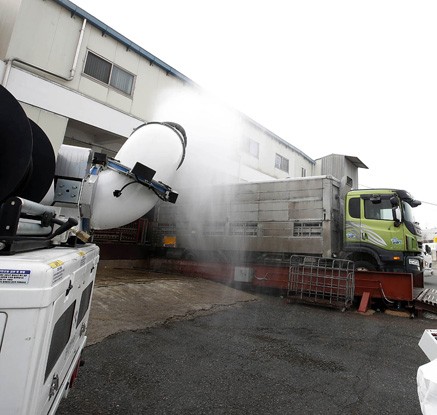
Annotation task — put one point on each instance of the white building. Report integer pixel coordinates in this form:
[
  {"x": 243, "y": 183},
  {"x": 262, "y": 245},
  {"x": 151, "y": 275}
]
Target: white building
[{"x": 85, "y": 84}]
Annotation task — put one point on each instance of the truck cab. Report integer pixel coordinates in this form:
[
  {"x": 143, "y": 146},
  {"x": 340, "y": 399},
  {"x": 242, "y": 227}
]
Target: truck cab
[{"x": 380, "y": 232}]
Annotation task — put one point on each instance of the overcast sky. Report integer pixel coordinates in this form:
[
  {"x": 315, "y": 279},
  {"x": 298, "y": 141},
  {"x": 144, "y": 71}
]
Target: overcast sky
[{"x": 349, "y": 77}]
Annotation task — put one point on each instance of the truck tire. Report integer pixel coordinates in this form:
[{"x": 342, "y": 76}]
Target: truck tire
[{"x": 364, "y": 266}]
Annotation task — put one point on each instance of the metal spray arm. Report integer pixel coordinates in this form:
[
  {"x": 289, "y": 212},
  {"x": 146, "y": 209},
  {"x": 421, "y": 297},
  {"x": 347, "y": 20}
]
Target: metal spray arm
[{"x": 143, "y": 175}]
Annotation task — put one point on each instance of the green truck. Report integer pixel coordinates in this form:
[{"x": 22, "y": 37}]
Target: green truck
[
  {"x": 269, "y": 221},
  {"x": 380, "y": 232}
]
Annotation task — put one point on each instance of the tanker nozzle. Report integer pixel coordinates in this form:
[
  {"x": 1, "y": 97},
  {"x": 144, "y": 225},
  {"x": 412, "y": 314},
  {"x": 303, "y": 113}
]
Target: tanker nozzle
[{"x": 82, "y": 235}]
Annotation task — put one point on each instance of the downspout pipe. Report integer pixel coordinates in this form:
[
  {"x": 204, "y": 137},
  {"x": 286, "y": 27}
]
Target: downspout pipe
[
  {"x": 10, "y": 62},
  {"x": 76, "y": 56}
]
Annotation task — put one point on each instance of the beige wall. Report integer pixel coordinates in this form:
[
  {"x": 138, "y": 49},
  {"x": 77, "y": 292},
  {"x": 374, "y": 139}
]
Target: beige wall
[
  {"x": 52, "y": 124},
  {"x": 51, "y": 45},
  {"x": 268, "y": 148},
  {"x": 51, "y": 42},
  {"x": 8, "y": 13},
  {"x": 214, "y": 130}
]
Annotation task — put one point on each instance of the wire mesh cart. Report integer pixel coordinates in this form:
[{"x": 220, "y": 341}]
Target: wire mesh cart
[{"x": 323, "y": 281}]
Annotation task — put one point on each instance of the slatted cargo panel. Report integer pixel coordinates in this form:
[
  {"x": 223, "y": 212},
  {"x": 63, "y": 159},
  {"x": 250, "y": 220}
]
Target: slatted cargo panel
[{"x": 281, "y": 216}]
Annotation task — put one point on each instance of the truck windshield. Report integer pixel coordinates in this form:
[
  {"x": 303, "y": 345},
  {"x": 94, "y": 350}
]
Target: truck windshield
[
  {"x": 408, "y": 219},
  {"x": 408, "y": 212}
]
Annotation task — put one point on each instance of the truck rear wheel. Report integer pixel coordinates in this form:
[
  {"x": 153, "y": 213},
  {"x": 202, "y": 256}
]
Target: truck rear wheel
[{"x": 364, "y": 266}]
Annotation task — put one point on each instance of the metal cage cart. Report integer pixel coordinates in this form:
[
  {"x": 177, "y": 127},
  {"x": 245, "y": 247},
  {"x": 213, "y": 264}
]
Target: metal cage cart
[{"x": 324, "y": 281}]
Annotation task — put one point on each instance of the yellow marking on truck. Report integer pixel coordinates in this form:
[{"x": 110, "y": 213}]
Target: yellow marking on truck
[{"x": 56, "y": 264}]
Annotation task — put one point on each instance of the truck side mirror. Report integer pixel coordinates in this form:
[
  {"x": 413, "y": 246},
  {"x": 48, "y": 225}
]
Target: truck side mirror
[
  {"x": 396, "y": 215},
  {"x": 428, "y": 249},
  {"x": 396, "y": 211}
]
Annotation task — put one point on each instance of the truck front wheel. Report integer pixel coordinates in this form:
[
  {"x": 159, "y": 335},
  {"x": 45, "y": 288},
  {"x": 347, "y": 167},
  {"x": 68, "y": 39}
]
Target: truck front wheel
[{"x": 364, "y": 266}]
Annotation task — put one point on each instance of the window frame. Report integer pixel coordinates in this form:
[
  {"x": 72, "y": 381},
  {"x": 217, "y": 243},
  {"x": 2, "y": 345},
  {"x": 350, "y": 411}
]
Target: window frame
[
  {"x": 280, "y": 165},
  {"x": 384, "y": 210},
  {"x": 354, "y": 207},
  {"x": 249, "y": 144},
  {"x": 112, "y": 65}
]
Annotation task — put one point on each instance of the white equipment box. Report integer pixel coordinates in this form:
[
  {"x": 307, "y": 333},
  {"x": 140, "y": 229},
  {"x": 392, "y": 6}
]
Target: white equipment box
[{"x": 45, "y": 298}]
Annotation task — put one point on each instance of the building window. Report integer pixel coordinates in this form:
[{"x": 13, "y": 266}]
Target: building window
[
  {"x": 121, "y": 80},
  {"x": 251, "y": 147},
  {"x": 281, "y": 163},
  {"x": 108, "y": 73},
  {"x": 304, "y": 172}
]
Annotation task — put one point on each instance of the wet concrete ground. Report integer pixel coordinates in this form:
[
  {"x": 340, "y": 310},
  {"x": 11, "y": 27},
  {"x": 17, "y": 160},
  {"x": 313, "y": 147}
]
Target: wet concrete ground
[
  {"x": 132, "y": 299},
  {"x": 189, "y": 346}
]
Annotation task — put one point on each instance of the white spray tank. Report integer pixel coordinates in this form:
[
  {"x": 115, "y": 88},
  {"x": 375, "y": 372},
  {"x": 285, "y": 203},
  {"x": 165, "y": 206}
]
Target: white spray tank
[{"x": 119, "y": 198}]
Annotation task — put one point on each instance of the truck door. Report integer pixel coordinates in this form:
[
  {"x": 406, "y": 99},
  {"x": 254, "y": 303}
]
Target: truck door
[
  {"x": 378, "y": 226},
  {"x": 369, "y": 223}
]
